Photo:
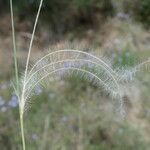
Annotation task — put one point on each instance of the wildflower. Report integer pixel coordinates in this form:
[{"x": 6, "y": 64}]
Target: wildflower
[
  {"x": 90, "y": 65},
  {"x": 4, "y": 109},
  {"x": 67, "y": 64},
  {"x": 123, "y": 15},
  {"x": 38, "y": 90},
  {"x": 13, "y": 102},
  {"x": 2, "y": 102}
]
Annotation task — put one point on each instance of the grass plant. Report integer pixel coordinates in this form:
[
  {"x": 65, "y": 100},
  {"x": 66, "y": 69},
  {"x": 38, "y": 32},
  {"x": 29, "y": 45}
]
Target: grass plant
[{"x": 66, "y": 62}]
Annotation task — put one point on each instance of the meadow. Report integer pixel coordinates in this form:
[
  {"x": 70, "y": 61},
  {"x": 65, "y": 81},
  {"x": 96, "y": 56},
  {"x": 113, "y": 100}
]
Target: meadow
[{"x": 72, "y": 112}]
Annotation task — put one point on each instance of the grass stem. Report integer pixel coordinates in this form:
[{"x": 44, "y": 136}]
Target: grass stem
[
  {"x": 22, "y": 102},
  {"x": 32, "y": 37},
  {"x": 14, "y": 46},
  {"x": 22, "y": 132}
]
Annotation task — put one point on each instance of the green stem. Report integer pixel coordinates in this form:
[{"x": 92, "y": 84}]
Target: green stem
[
  {"x": 14, "y": 46},
  {"x": 16, "y": 68},
  {"x": 27, "y": 63},
  {"x": 32, "y": 37},
  {"x": 22, "y": 132}
]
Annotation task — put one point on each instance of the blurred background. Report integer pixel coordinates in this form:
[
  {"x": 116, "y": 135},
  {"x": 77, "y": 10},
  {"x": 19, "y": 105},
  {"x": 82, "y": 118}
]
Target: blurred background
[{"x": 74, "y": 114}]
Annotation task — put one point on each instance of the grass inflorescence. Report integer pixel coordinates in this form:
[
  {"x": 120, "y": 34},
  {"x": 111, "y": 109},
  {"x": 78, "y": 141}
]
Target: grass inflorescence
[{"x": 68, "y": 62}]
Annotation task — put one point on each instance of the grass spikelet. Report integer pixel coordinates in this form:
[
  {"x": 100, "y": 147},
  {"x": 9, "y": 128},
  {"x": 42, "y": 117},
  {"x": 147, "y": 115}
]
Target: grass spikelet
[
  {"x": 52, "y": 65},
  {"x": 64, "y": 62}
]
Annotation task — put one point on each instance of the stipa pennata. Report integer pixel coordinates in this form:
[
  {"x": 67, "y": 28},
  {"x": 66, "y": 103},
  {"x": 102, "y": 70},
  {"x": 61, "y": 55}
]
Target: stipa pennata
[{"x": 67, "y": 62}]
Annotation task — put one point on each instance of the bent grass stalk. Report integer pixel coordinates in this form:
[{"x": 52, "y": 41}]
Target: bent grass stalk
[
  {"x": 109, "y": 78},
  {"x": 22, "y": 104},
  {"x": 21, "y": 100}
]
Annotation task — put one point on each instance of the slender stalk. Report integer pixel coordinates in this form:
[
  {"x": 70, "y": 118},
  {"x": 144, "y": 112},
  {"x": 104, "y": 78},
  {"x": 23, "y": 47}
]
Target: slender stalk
[
  {"x": 27, "y": 63},
  {"x": 16, "y": 69},
  {"x": 14, "y": 46},
  {"x": 22, "y": 132},
  {"x": 32, "y": 37},
  {"x": 22, "y": 102},
  {"x": 29, "y": 53}
]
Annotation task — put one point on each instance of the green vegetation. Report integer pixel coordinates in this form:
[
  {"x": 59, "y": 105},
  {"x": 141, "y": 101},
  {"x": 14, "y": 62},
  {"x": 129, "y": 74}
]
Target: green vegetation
[
  {"x": 126, "y": 58},
  {"x": 139, "y": 9},
  {"x": 76, "y": 120},
  {"x": 72, "y": 113},
  {"x": 65, "y": 15}
]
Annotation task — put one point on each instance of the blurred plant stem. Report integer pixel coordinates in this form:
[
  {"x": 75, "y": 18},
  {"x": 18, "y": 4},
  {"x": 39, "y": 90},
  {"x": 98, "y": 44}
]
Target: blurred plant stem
[
  {"x": 80, "y": 136},
  {"x": 16, "y": 69},
  {"x": 14, "y": 46},
  {"x": 44, "y": 138},
  {"x": 22, "y": 132}
]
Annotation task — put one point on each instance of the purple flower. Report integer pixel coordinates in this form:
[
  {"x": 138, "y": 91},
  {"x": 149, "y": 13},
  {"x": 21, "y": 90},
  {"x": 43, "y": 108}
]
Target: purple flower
[
  {"x": 4, "y": 109},
  {"x": 60, "y": 74},
  {"x": 91, "y": 65},
  {"x": 68, "y": 64},
  {"x": 38, "y": 90},
  {"x": 13, "y": 102},
  {"x": 123, "y": 15},
  {"x": 2, "y": 102}
]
